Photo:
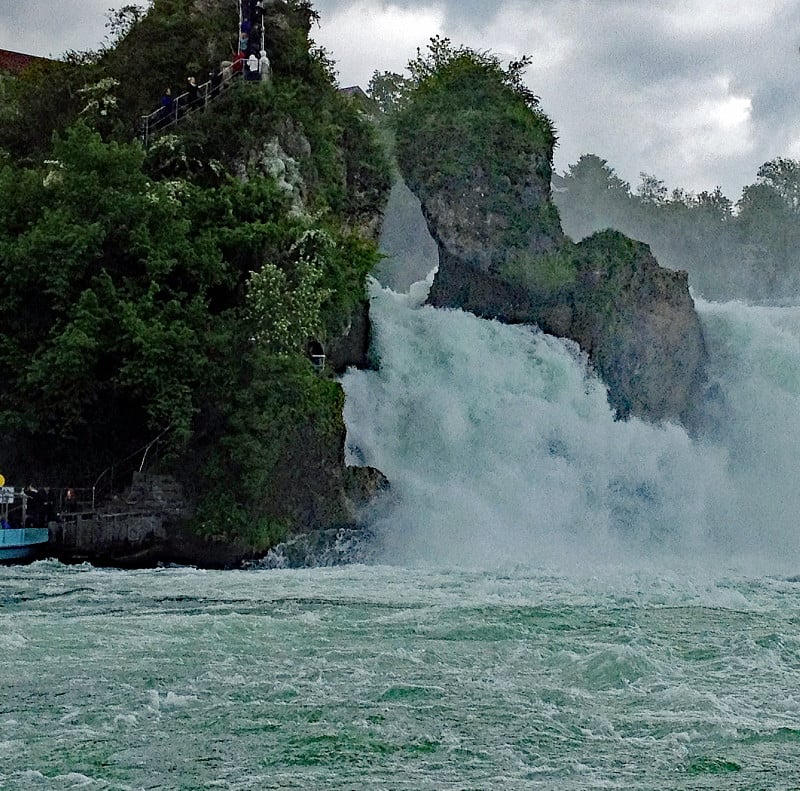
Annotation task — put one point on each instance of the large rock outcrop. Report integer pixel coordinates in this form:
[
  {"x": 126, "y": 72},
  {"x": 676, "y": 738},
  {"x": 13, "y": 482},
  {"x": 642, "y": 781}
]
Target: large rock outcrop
[
  {"x": 248, "y": 232},
  {"x": 478, "y": 156}
]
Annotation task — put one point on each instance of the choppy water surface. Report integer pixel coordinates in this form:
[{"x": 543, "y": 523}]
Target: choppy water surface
[
  {"x": 385, "y": 678},
  {"x": 634, "y": 623}
]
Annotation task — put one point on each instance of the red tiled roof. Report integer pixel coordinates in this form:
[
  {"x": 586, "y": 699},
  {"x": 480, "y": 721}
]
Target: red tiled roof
[{"x": 17, "y": 62}]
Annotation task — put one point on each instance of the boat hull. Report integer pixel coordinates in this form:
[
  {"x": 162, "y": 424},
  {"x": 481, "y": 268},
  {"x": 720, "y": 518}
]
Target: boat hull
[{"x": 22, "y": 543}]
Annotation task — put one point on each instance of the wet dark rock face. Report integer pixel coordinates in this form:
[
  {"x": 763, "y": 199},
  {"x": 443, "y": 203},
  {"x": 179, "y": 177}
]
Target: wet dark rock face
[{"x": 503, "y": 253}]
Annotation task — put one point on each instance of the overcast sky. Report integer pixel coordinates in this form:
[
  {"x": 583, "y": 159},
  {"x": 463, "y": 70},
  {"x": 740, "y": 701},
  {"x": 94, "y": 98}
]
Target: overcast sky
[{"x": 697, "y": 92}]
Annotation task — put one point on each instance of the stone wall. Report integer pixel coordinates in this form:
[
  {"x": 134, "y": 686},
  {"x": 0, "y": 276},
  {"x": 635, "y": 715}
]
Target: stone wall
[
  {"x": 119, "y": 538},
  {"x": 133, "y": 530}
]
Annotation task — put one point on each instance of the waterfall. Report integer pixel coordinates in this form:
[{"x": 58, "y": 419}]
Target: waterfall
[{"x": 501, "y": 447}]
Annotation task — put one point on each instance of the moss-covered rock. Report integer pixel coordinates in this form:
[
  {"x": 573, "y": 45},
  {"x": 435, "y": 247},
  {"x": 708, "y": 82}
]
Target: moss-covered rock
[
  {"x": 477, "y": 152},
  {"x": 479, "y": 159},
  {"x": 637, "y": 321}
]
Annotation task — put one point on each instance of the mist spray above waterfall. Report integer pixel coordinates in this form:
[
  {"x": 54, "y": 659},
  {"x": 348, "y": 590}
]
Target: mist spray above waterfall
[{"x": 501, "y": 447}]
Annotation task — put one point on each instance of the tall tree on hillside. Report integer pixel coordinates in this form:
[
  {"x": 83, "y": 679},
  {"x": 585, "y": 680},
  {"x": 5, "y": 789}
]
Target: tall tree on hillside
[
  {"x": 389, "y": 90},
  {"x": 714, "y": 204},
  {"x": 591, "y": 196},
  {"x": 652, "y": 189},
  {"x": 783, "y": 176},
  {"x": 768, "y": 227}
]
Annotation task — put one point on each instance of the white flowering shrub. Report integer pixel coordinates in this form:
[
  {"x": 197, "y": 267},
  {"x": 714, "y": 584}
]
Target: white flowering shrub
[
  {"x": 54, "y": 174},
  {"x": 100, "y": 98},
  {"x": 169, "y": 155},
  {"x": 285, "y": 304}
]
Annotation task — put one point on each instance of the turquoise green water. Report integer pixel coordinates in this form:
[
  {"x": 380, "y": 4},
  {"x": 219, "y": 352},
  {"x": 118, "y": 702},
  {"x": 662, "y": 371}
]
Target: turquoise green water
[
  {"x": 387, "y": 678},
  {"x": 635, "y": 625}
]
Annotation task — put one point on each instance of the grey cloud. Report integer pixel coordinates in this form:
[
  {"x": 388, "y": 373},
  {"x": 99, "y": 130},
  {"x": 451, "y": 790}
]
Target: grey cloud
[
  {"x": 457, "y": 12},
  {"x": 69, "y": 25}
]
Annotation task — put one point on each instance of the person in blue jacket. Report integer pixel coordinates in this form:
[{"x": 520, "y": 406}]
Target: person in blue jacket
[{"x": 167, "y": 106}]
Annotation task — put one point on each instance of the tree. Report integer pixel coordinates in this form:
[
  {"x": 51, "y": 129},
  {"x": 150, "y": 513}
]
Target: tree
[
  {"x": 652, "y": 190},
  {"x": 389, "y": 90},
  {"x": 121, "y": 21},
  {"x": 591, "y": 197},
  {"x": 768, "y": 229},
  {"x": 285, "y": 306},
  {"x": 714, "y": 204},
  {"x": 783, "y": 176},
  {"x": 45, "y": 97},
  {"x": 441, "y": 53},
  {"x": 104, "y": 291},
  {"x": 462, "y": 107},
  {"x": 594, "y": 174}
]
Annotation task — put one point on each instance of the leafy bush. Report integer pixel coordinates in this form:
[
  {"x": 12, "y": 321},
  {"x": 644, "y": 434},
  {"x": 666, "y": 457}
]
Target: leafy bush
[
  {"x": 278, "y": 450},
  {"x": 285, "y": 307},
  {"x": 96, "y": 288}
]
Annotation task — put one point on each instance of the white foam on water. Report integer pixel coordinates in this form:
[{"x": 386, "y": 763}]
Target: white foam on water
[{"x": 501, "y": 448}]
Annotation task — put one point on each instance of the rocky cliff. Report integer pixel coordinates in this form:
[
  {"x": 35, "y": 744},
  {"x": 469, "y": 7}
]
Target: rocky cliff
[
  {"x": 478, "y": 153},
  {"x": 174, "y": 316}
]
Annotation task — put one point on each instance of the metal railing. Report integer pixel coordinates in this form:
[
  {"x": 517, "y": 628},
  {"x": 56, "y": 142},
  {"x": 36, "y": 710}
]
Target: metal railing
[
  {"x": 36, "y": 508},
  {"x": 183, "y": 106},
  {"x": 104, "y": 486}
]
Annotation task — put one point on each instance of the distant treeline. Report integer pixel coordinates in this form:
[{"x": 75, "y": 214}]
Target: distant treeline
[{"x": 747, "y": 250}]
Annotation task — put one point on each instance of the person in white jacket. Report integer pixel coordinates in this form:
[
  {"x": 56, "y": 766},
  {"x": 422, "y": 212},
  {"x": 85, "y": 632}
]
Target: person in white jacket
[
  {"x": 252, "y": 67},
  {"x": 264, "y": 67}
]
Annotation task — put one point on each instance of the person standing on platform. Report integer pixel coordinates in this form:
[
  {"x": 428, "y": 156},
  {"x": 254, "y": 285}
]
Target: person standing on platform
[
  {"x": 252, "y": 67},
  {"x": 193, "y": 98},
  {"x": 215, "y": 81},
  {"x": 167, "y": 107},
  {"x": 237, "y": 67},
  {"x": 70, "y": 502},
  {"x": 264, "y": 67}
]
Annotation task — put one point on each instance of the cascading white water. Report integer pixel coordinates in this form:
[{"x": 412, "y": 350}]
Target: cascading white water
[
  {"x": 501, "y": 448},
  {"x": 754, "y": 356}
]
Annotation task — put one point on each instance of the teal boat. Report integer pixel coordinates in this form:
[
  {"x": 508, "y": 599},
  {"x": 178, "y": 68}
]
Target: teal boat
[{"x": 22, "y": 543}]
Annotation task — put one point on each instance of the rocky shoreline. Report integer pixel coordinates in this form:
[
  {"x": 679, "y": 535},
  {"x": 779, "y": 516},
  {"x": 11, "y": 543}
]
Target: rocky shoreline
[{"x": 148, "y": 527}]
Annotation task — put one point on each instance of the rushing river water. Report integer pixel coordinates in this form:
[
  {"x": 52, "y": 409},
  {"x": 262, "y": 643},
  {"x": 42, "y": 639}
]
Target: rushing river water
[
  {"x": 387, "y": 678},
  {"x": 552, "y": 600}
]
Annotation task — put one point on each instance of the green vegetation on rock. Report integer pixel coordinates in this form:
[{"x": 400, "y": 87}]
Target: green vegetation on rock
[
  {"x": 468, "y": 125},
  {"x": 546, "y": 272},
  {"x": 172, "y": 292}
]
